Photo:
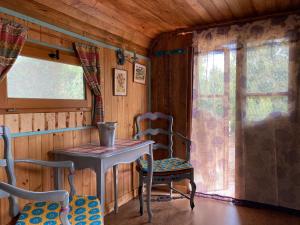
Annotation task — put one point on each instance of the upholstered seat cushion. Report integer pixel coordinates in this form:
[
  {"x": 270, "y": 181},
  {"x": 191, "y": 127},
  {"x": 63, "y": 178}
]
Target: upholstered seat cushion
[
  {"x": 166, "y": 165},
  {"x": 84, "y": 210}
]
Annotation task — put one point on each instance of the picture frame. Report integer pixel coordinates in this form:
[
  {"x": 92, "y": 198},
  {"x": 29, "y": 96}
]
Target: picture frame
[
  {"x": 120, "y": 82},
  {"x": 140, "y": 72}
]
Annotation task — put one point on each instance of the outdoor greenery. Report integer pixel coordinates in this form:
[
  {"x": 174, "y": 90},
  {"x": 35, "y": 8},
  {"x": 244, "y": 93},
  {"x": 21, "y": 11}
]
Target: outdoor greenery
[
  {"x": 266, "y": 83},
  {"x": 35, "y": 78}
]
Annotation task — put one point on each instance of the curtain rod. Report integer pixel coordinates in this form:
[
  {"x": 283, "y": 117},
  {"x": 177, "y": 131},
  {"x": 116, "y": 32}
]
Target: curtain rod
[
  {"x": 61, "y": 30},
  {"x": 232, "y": 22}
]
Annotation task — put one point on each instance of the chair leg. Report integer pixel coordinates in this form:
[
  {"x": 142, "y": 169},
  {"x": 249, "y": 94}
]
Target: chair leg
[
  {"x": 192, "y": 204},
  {"x": 141, "y": 185},
  {"x": 171, "y": 191}
]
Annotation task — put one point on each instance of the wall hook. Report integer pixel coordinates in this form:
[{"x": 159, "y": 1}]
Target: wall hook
[{"x": 54, "y": 55}]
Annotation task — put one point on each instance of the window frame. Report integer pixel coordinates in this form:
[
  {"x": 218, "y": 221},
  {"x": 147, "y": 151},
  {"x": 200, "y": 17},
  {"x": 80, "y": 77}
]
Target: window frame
[
  {"x": 259, "y": 95},
  {"x": 8, "y": 105}
]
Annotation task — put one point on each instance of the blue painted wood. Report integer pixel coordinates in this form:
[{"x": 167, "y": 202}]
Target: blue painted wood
[
  {"x": 61, "y": 30},
  {"x": 10, "y": 190},
  {"x": 50, "y": 45},
  {"x": 178, "y": 51},
  {"x": 102, "y": 160},
  {"x": 32, "y": 133},
  {"x": 170, "y": 176}
]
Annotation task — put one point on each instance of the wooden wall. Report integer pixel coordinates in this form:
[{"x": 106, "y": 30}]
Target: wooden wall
[
  {"x": 120, "y": 109},
  {"x": 171, "y": 81}
]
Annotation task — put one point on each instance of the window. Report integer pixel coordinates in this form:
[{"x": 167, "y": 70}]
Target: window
[
  {"x": 267, "y": 80},
  {"x": 36, "y": 78},
  {"x": 38, "y": 82}
]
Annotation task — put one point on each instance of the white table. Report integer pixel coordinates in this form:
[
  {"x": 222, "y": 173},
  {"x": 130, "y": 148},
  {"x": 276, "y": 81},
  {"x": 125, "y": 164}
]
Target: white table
[{"x": 100, "y": 158}]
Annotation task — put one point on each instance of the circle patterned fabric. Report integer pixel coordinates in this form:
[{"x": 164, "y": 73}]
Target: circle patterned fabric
[
  {"x": 166, "y": 165},
  {"x": 84, "y": 210}
]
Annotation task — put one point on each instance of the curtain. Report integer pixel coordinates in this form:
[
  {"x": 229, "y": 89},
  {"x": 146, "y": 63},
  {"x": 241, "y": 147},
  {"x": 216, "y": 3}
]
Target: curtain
[
  {"x": 89, "y": 58},
  {"x": 12, "y": 39},
  {"x": 245, "y": 125}
]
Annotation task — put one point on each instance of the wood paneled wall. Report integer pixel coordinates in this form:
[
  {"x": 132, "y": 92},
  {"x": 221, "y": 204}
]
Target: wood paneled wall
[
  {"x": 171, "y": 81},
  {"x": 117, "y": 108}
]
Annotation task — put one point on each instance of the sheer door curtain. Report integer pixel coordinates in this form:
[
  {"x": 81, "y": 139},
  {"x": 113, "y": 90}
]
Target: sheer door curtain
[{"x": 245, "y": 125}]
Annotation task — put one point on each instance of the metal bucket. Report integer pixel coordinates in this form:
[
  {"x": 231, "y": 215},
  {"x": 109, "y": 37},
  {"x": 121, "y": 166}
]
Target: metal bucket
[{"x": 107, "y": 131}]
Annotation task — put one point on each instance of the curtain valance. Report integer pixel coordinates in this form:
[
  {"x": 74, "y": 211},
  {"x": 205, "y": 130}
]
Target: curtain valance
[{"x": 12, "y": 39}]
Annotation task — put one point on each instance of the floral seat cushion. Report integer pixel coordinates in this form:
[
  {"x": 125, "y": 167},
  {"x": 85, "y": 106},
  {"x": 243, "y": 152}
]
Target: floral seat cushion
[
  {"x": 84, "y": 210},
  {"x": 166, "y": 165}
]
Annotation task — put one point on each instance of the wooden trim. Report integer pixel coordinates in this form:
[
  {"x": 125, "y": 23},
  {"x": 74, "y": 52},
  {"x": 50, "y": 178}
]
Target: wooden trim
[
  {"x": 38, "y": 51},
  {"x": 32, "y": 133},
  {"x": 190, "y": 92},
  {"x": 8, "y": 105},
  {"x": 64, "y": 31}
]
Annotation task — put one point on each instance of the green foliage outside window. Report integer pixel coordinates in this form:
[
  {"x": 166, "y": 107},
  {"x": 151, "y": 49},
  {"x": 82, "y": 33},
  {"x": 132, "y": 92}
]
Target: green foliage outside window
[
  {"x": 266, "y": 82},
  {"x": 36, "y": 78}
]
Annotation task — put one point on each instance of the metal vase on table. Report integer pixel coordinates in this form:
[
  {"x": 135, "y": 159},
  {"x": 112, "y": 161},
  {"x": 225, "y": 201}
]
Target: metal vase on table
[{"x": 107, "y": 133}]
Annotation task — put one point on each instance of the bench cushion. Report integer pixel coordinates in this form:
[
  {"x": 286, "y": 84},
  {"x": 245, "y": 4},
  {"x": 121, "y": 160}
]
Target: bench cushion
[
  {"x": 166, "y": 165},
  {"x": 84, "y": 210}
]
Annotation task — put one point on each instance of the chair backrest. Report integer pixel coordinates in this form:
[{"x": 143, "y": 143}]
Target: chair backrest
[
  {"x": 156, "y": 131},
  {"x": 8, "y": 163}
]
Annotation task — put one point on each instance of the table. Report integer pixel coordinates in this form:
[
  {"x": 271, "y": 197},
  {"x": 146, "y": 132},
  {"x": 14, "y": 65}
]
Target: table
[{"x": 100, "y": 158}]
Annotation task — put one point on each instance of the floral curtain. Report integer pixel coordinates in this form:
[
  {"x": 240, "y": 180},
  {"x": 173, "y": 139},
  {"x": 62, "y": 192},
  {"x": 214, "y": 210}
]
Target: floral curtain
[
  {"x": 245, "y": 125},
  {"x": 12, "y": 39},
  {"x": 89, "y": 58}
]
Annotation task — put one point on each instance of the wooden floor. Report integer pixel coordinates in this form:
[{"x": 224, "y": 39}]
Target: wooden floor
[{"x": 206, "y": 212}]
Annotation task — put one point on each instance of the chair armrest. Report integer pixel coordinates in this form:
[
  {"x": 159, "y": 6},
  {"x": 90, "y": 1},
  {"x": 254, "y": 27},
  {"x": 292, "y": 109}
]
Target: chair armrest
[
  {"x": 57, "y": 165},
  {"x": 182, "y": 137},
  {"x": 59, "y": 195},
  {"x": 188, "y": 144},
  {"x": 52, "y": 164}
]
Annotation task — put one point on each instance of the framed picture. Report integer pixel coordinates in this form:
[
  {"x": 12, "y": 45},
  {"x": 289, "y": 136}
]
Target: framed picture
[
  {"x": 120, "y": 82},
  {"x": 140, "y": 72}
]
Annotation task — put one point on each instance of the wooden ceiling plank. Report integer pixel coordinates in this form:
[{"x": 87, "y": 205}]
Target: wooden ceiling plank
[
  {"x": 224, "y": 9},
  {"x": 176, "y": 10},
  {"x": 191, "y": 16},
  {"x": 236, "y": 8},
  {"x": 150, "y": 10},
  {"x": 202, "y": 12},
  {"x": 48, "y": 15},
  {"x": 259, "y": 6},
  {"x": 109, "y": 13},
  {"x": 86, "y": 18},
  {"x": 211, "y": 9}
]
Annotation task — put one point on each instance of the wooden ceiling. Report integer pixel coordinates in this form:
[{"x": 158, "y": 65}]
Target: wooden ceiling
[{"x": 139, "y": 21}]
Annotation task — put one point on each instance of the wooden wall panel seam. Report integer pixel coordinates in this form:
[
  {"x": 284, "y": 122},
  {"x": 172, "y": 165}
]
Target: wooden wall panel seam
[{"x": 61, "y": 30}]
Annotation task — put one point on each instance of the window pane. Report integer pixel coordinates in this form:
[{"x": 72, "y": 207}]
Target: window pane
[
  {"x": 262, "y": 107},
  {"x": 36, "y": 78},
  {"x": 267, "y": 67},
  {"x": 211, "y": 79},
  {"x": 214, "y": 106}
]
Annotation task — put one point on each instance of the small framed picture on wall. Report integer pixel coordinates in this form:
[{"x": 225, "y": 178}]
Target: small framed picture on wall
[
  {"x": 140, "y": 72},
  {"x": 120, "y": 82}
]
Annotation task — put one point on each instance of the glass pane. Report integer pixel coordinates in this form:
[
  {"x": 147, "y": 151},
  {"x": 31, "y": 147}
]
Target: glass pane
[
  {"x": 212, "y": 105},
  {"x": 36, "y": 78},
  {"x": 262, "y": 107},
  {"x": 211, "y": 76},
  {"x": 267, "y": 67}
]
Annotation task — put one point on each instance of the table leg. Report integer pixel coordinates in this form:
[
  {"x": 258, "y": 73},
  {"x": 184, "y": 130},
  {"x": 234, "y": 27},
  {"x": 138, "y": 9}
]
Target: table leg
[
  {"x": 115, "y": 170},
  {"x": 149, "y": 182},
  {"x": 100, "y": 173}
]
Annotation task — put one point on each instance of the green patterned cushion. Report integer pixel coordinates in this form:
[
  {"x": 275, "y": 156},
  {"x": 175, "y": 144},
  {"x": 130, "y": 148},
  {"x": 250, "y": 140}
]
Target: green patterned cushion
[
  {"x": 84, "y": 210},
  {"x": 166, "y": 165}
]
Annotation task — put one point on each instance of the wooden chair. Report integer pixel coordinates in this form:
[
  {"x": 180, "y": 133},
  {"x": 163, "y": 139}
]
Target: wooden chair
[
  {"x": 52, "y": 207},
  {"x": 167, "y": 170}
]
